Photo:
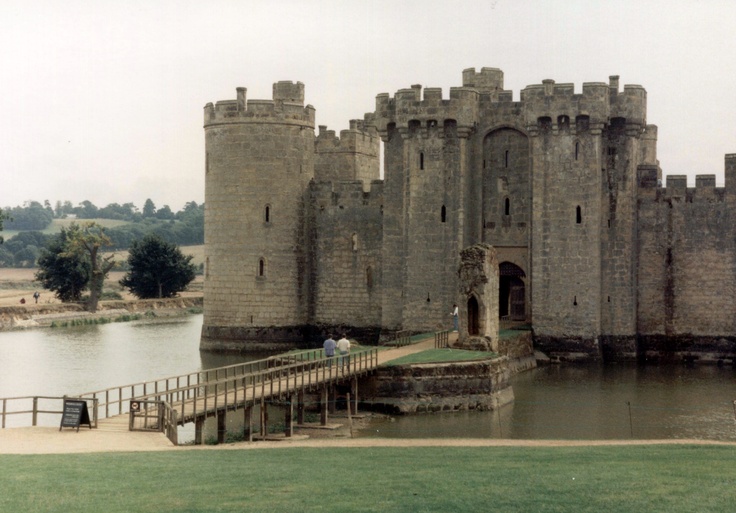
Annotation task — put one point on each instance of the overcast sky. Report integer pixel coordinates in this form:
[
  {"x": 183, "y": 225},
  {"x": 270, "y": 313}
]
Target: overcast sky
[{"x": 102, "y": 100}]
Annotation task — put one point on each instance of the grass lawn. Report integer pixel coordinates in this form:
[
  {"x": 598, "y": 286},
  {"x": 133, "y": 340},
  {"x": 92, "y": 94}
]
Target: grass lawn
[
  {"x": 440, "y": 356},
  {"x": 655, "y": 478}
]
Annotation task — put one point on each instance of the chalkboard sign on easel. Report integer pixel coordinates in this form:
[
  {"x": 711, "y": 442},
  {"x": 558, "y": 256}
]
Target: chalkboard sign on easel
[{"x": 75, "y": 413}]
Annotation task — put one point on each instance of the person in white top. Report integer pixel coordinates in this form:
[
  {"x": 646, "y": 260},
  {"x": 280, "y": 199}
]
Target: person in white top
[
  {"x": 455, "y": 319},
  {"x": 343, "y": 346}
]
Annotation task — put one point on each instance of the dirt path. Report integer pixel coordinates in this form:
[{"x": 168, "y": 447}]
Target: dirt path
[{"x": 45, "y": 440}]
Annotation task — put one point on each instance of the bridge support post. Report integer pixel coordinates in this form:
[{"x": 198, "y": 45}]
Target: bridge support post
[
  {"x": 289, "y": 417},
  {"x": 300, "y": 408},
  {"x": 353, "y": 405},
  {"x": 221, "y": 426},
  {"x": 264, "y": 419},
  {"x": 198, "y": 428},
  {"x": 332, "y": 399},
  {"x": 323, "y": 406},
  {"x": 248, "y": 422}
]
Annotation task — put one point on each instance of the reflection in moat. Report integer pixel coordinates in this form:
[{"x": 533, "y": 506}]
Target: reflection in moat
[
  {"x": 595, "y": 402},
  {"x": 561, "y": 401}
]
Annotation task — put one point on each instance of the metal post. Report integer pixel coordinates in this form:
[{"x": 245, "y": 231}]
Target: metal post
[{"x": 35, "y": 410}]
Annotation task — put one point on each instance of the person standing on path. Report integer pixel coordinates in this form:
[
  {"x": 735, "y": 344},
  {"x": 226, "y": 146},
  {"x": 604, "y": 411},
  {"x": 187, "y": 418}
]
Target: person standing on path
[
  {"x": 329, "y": 347},
  {"x": 455, "y": 320},
  {"x": 343, "y": 345}
]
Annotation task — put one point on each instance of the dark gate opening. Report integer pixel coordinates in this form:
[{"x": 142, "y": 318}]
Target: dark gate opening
[
  {"x": 473, "y": 316},
  {"x": 511, "y": 292}
]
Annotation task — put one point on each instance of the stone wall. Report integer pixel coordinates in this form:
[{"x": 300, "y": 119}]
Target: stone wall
[
  {"x": 476, "y": 385},
  {"x": 346, "y": 254},
  {"x": 259, "y": 161}
]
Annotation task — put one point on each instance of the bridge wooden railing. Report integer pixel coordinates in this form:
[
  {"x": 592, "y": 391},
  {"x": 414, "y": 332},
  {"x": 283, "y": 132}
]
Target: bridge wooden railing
[
  {"x": 164, "y": 410},
  {"x": 38, "y": 405},
  {"x": 442, "y": 339},
  {"x": 116, "y": 400}
]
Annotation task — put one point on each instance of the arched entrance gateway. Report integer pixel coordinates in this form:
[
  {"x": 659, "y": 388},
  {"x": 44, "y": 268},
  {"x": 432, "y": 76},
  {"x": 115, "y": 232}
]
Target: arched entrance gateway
[
  {"x": 473, "y": 317},
  {"x": 511, "y": 292}
]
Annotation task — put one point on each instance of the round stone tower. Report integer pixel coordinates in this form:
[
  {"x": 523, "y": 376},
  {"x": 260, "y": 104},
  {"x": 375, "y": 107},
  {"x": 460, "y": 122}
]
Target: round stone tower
[{"x": 259, "y": 161}]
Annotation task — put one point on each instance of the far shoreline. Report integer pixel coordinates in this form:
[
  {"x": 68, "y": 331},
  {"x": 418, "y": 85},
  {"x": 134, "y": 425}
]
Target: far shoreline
[{"x": 30, "y": 316}]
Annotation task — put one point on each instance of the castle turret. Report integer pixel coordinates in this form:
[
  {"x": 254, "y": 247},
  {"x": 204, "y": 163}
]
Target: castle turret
[
  {"x": 259, "y": 161},
  {"x": 352, "y": 156}
]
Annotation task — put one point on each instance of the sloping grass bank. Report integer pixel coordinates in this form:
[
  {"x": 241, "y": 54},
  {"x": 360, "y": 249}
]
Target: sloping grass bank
[{"x": 654, "y": 478}]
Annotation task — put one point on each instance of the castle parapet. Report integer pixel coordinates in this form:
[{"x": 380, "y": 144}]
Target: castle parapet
[
  {"x": 631, "y": 105},
  {"x": 489, "y": 79},
  {"x": 357, "y": 139},
  {"x": 730, "y": 173},
  {"x": 676, "y": 186},
  {"x": 410, "y": 106},
  {"x": 287, "y": 106},
  {"x": 598, "y": 101}
]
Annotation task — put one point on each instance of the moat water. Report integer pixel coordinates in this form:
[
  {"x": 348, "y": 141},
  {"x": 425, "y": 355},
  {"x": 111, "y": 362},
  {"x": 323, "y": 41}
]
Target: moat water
[{"x": 554, "y": 402}]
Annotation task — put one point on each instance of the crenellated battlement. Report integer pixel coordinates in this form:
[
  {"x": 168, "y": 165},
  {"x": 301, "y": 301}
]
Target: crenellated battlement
[
  {"x": 287, "y": 106},
  {"x": 357, "y": 139},
  {"x": 489, "y": 79},
  {"x": 675, "y": 187},
  {"x": 409, "y": 105},
  {"x": 483, "y": 93},
  {"x": 339, "y": 195},
  {"x": 598, "y": 101}
]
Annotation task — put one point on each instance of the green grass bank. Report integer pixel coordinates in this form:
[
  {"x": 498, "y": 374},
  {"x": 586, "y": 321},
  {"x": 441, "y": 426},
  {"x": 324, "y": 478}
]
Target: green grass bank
[{"x": 651, "y": 478}]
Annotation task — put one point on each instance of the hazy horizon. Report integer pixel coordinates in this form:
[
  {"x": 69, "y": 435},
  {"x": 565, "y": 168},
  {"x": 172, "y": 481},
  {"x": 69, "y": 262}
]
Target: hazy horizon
[{"x": 102, "y": 100}]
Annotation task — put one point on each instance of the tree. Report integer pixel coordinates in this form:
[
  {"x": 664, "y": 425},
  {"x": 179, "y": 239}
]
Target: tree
[
  {"x": 86, "y": 241},
  {"x": 149, "y": 209},
  {"x": 78, "y": 248},
  {"x": 3, "y": 216},
  {"x": 64, "y": 273},
  {"x": 86, "y": 210},
  {"x": 31, "y": 216},
  {"x": 164, "y": 213},
  {"x": 158, "y": 268}
]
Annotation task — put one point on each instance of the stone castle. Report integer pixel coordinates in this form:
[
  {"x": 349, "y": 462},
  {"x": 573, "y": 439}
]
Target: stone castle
[{"x": 303, "y": 236}]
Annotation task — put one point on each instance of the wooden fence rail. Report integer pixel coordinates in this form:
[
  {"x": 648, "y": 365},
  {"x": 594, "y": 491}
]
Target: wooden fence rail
[
  {"x": 39, "y": 405},
  {"x": 441, "y": 339}
]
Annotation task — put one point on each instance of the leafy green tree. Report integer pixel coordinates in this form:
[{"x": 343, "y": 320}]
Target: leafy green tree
[
  {"x": 31, "y": 216},
  {"x": 62, "y": 272},
  {"x": 7, "y": 259},
  {"x": 149, "y": 209},
  {"x": 164, "y": 213},
  {"x": 86, "y": 241},
  {"x": 81, "y": 245},
  {"x": 86, "y": 210},
  {"x": 158, "y": 268},
  {"x": 26, "y": 257},
  {"x": 3, "y": 216}
]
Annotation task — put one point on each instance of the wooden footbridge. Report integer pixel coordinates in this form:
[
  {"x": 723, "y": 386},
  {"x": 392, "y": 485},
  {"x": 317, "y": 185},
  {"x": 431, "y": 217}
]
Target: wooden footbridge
[{"x": 283, "y": 381}]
